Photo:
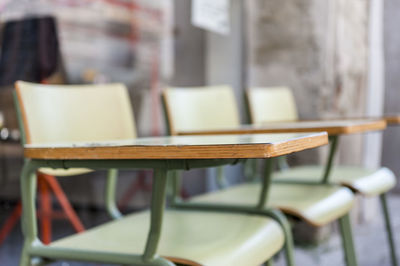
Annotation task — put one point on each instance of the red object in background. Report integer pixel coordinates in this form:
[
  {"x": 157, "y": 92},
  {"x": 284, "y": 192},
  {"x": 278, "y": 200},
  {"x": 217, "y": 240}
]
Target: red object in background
[
  {"x": 30, "y": 52},
  {"x": 46, "y": 185}
]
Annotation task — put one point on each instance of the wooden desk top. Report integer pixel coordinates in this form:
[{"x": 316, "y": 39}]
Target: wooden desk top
[
  {"x": 182, "y": 147},
  {"x": 332, "y": 127},
  {"x": 392, "y": 119}
]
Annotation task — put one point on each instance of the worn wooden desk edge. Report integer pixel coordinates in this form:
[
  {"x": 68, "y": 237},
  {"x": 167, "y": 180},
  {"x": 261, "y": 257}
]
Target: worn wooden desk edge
[
  {"x": 392, "y": 119},
  {"x": 369, "y": 126},
  {"x": 215, "y": 151}
]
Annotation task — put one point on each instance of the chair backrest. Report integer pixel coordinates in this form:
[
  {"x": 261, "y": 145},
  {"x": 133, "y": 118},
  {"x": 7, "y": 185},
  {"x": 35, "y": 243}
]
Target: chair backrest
[
  {"x": 200, "y": 108},
  {"x": 271, "y": 105},
  {"x": 66, "y": 113}
]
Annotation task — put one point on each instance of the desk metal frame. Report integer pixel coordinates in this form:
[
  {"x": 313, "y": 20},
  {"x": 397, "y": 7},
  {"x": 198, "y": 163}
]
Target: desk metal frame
[{"x": 33, "y": 248}]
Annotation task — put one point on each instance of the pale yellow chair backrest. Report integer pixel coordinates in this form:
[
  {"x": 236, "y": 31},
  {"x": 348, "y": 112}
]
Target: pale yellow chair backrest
[
  {"x": 271, "y": 105},
  {"x": 75, "y": 113},
  {"x": 200, "y": 108}
]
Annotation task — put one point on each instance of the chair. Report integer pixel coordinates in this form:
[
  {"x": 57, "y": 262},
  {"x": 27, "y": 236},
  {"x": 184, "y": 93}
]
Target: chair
[
  {"x": 366, "y": 182},
  {"x": 30, "y": 51},
  {"x": 103, "y": 112},
  {"x": 214, "y": 108}
]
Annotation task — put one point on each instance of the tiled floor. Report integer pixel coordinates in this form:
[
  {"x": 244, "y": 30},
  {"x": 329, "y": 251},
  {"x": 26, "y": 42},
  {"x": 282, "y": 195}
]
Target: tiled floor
[{"x": 370, "y": 240}]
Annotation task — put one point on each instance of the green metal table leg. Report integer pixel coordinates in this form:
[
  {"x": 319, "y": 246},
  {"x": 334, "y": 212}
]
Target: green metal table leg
[
  {"x": 334, "y": 140},
  {"x": 250, "y": 170},
  {"x": 389, "y": 230},
  {"x": 157, "y": 211},
  {"x": 221, "y": 178},
  {"x": 175, "y": 177},
  {"x": 29, "y": 224},
  {"x": 110, "y": 197},
  {"x": 347, "y": 240},
  {"x": 269, "y": 165}
]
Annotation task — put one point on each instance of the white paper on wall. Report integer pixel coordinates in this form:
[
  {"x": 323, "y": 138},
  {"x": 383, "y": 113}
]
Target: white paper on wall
[{"x": 212, "y": 15}]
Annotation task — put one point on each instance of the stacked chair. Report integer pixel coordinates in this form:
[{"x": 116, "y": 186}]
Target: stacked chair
[
  {"x": 278, "y": 104},
  {"x": 90, "y": 113},
  {"x": 215, "y": 108}
]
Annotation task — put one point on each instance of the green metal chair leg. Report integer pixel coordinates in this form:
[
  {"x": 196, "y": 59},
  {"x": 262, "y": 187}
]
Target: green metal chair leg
[
  {"x": 110, "y": 198},
  {"x": 389, "y": 231},
  {"x": 25, "y": 258},
  {"x": 157, "y": 210},
  {"x": 289, "y": 243},
  {"x": 29, "y": 225},
  {"x": 347, "y": 240}
]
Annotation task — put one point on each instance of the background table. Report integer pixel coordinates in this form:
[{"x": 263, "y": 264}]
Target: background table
[
  {"x": 392, "y": 119},
  {"x": 334, "y": 127}
]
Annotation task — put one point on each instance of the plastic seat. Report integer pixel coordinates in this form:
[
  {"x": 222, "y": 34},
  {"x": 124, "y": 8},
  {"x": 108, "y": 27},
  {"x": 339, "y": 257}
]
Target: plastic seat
[
  {"x": 205, "y": 238},
  {"x": 316, "y": 205},
  {"x": 55, "y": 113},
  {"x": 364, "y": 181}
]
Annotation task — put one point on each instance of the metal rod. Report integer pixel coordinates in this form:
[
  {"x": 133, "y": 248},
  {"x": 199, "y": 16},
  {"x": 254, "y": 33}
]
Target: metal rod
[
  {"x": 268, "y": 168},
  {"x": 334, "y": 140},
  {"x": 29, "y": 222},
  {"x": 347, "y": 240},
  {"x": 389, "y": 230},
  {"x": 157, "y": 211},
  {"x": 110, "y": 197},
  {"x": 175, "y": 176},
  {"x": 95, "y": 256}
]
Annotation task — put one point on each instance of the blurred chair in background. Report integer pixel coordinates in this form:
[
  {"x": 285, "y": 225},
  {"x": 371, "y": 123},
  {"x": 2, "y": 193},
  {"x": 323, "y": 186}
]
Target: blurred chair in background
[
  {"x": 276, "y": 104},
  {"x": 30, "y": 51}
]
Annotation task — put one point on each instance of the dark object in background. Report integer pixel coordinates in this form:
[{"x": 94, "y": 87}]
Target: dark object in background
[{"x": 29, "y": 51}]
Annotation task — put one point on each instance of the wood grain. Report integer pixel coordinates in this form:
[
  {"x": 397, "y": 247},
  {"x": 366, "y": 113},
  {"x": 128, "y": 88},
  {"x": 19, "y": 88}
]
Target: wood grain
[
  {"x": 332, "y": 127},
  {"x": 392, "y": 119},
  {"x": 251, "y": 146}
]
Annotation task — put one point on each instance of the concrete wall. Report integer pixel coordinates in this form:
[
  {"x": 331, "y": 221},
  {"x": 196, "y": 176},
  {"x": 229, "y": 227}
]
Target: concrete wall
[
  {"x": 391, "y": 140},
  {"x": 320, "y": 50}
]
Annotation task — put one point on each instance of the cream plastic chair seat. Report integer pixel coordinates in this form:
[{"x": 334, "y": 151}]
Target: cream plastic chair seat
[
  {"x": 64, "y": 172},
  {"x": 317, "y": 205},
  {"x": 207, "y": 238},
  {"x": 365, "y": 181}
]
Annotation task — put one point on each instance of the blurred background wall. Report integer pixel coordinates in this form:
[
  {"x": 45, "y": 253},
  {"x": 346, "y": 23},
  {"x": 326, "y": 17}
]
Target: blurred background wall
[{"x": 391, "y": 141}]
